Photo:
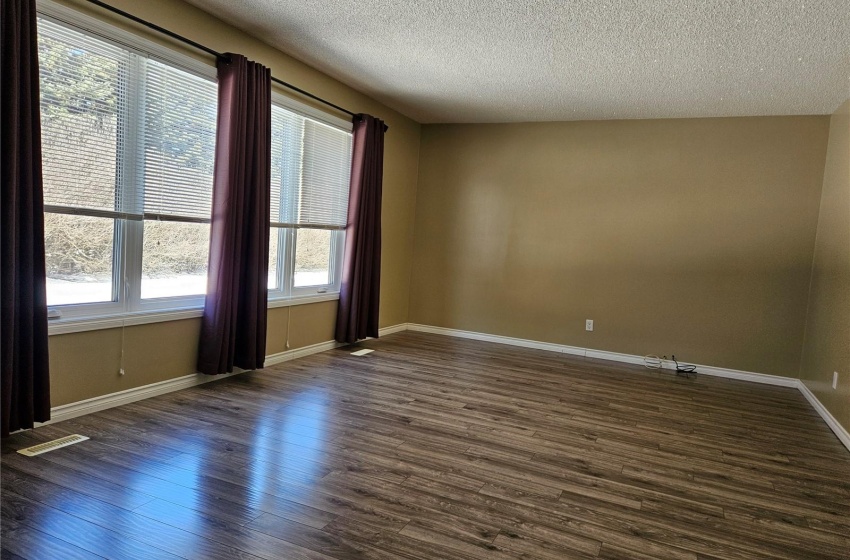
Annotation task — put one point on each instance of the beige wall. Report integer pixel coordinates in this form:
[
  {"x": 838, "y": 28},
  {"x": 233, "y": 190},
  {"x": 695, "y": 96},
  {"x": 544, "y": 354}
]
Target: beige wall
[
  {"x": 691, "y": 237},
  {"x": 85, "y": 365},
  {"x": 827, "y": 346}
]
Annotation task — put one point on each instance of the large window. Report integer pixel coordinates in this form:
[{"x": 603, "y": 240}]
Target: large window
[
  {"x": 83, "y": 107},
  {"x": 128, "y": 150},
  {"x": 128, "y": 141},
  {"x": 311, "y": 164}
]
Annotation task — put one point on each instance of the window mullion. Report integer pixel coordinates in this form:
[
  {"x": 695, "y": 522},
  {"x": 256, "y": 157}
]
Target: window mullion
[
  {"x": 288, "y": 268},
  {"x": 296, "y": 175},
  {"x": 282, "y": 233},
  {"x": 337, "y": 253},
  {"x": 133, "y": 184},
  {"x": 124, "y": 116},
  {"x": 280, "y": 274}
]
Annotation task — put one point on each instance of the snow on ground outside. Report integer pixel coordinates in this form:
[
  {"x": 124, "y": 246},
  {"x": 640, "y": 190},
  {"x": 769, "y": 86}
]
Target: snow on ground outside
[{"x": 65, "y": 292}]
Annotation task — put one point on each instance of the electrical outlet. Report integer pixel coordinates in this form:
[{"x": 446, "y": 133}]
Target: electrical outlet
[
  {"x": 835, "y": 380},
  {"x": 121, "y": 371},
  {"x": 588, "y": 325}
]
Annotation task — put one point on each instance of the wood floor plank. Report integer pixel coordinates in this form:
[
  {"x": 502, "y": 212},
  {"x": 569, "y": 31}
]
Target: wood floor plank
[
  {"x": 127, "y": 523},
  {"x": 434, "y": 448},
  {"x": 85, "y": 535},
  {"x": 24, "y": 542},
  {"x": 9, "y": 555},
  {"x": 94, "y": 486},
  {"x": 265, "y": 545}
]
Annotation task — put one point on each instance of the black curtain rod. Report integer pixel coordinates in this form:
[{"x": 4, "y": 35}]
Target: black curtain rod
[{"x": 208, "y": 50}]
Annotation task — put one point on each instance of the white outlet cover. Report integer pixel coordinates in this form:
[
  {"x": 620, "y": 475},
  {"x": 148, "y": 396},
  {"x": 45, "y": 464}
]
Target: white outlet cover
[
  {"x": 588, "y": 325},
  {"x": 835, "y": 380}
]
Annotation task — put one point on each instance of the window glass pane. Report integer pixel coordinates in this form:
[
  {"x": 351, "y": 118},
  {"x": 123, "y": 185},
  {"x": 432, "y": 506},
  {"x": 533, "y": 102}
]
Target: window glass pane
[
  {"x": 311, "y": 164},
  {"x": 179, "y": 141},
  {"x": 179, "y": 144},
  {"x": 287, "y": 142},
  {"x": 78, "y": 254},
  {"x": 174, "y": 261},
  {"x": 83, "y": 97},
  {"x": 312, "y": 257},
  {"x": 323, "y": 198},
  {"x": 274, "y": 236}
]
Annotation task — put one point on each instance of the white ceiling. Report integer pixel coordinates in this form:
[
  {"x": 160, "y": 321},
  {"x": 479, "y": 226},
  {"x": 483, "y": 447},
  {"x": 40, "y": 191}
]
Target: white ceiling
[{"x": 548, "y": 60}]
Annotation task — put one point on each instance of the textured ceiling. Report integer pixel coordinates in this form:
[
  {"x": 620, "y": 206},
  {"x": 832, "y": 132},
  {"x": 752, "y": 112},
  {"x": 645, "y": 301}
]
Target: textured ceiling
[{"x": 547, "y": 60}]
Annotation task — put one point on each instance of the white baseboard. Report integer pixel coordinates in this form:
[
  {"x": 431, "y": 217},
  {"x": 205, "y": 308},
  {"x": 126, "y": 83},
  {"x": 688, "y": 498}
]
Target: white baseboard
[
  {"x": 72, "y": 410},
  {"x": 764, "y": 378},
  {"x": 830, "y": 420},
  {"x": 604, "y": 355},
  {"x": 295, "y": 353},
  {"x": 618, "y": 357},
  {"x": 498, "y": 339},
  {"x": 393, "y": 329},
  {"x": 750, "y": 376},
  {"x": 95, "y": 404}
]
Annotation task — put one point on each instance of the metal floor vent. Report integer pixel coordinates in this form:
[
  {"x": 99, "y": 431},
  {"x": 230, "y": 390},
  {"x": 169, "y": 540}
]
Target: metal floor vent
[
  {"x": 51, "y": 445},
  {"x": 362, "y": 352}
]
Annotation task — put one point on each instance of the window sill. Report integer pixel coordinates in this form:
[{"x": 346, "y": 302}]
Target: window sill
[{"x": 81, "y": 324}]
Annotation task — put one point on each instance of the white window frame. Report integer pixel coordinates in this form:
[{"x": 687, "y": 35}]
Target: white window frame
[
  {"x": 286, "y": 288},
  {"x": 127, "y": 249},
  {"x": 334, "y": 267}
]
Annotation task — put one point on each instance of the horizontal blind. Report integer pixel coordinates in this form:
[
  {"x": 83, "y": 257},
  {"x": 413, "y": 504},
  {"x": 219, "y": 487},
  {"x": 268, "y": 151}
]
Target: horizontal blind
[
  {"x": 83, "y": 83},
  {"x": 178, "y": 141},
  {"x": 311, "y": 166},
  {"x": 326, "y": 169},
  {"x": 287, "y": 143}
]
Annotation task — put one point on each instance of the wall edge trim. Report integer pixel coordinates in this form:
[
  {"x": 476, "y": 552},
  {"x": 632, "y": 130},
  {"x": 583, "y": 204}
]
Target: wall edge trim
[
  {"x": 840, "y": 432},
  {"x": 763, "y": 378},
  {"x": 498, "y": 339},
  {"x": 96, "y": 404},
  {"x": 606, "y": 355},
  {"x": 295, "y": 353},
  {"x": 393, "y": 329}
]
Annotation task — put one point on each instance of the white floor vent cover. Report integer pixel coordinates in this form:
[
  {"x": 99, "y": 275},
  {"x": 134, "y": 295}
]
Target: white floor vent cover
[
  {"x": 51, "y": 445},
  {"x": 362, "y": 352}
]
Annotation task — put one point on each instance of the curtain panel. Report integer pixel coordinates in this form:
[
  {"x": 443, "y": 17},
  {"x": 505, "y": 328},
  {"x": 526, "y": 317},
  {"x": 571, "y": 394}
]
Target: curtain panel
[
  {"x": 357, "y": 314},
  {"x": 23, "y": 319},
  {"x": 233, "y": 329}
]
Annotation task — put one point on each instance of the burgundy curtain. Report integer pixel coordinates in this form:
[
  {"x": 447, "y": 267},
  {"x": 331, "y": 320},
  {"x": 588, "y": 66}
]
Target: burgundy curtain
[
  {"x": 357, "y": 315},
  {"x": 233, "y": 329},
  {"x": 23, "y": 320}
]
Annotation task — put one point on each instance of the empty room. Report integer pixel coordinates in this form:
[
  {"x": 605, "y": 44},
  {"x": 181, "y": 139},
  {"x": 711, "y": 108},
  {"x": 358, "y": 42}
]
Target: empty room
[{"x": 425, "y": 280}]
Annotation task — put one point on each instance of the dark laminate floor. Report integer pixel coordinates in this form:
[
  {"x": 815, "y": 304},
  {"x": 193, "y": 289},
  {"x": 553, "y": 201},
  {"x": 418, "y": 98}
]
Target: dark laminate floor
[{"x": 435, "y": 447}]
